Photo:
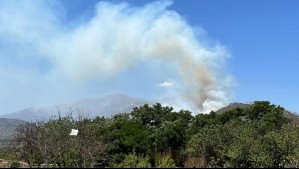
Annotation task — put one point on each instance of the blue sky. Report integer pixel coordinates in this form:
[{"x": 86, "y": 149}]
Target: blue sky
[{"x": 257, "y": 42}]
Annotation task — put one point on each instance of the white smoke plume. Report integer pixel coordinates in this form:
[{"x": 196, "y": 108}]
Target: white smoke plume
[{"x": 117, "y": 37}]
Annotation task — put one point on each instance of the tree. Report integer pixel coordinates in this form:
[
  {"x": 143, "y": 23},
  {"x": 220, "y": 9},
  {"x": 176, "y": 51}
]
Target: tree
[
  {"x": 151, "y": 115},
  {"x": 211, "y": 144},
  {"x": 282, "y": 146},
  {"x": 50, "y": 143},
  {"x": 26, "y": 140},
  {"x": 267, "y": 117},
  {"x": 240, "y": 144}
]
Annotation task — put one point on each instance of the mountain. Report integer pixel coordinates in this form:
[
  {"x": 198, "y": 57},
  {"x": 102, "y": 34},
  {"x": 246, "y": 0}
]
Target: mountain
[
  {"x": 7, "y": 128},
  {"x": 231, "y": 107},
  {"x": 105, "y": 106}
]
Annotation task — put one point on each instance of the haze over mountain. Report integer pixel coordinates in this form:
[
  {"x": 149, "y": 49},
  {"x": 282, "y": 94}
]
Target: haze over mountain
[{"x": 104, "y": 106}]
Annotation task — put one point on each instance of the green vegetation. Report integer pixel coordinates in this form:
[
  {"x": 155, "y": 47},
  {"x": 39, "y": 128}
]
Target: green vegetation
[
  {"x": 133, "y": 161},
  {"x": 15, "y": 164},
  {"x": 156, "y": 136}
]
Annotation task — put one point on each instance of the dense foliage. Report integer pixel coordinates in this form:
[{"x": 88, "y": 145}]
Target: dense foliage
[{"x": 156, "y": 136}]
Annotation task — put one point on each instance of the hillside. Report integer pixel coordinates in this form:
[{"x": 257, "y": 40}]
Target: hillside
[
  {"x": 7, "y": 128},
  {"x": 231, "y": 107},
  {"x": 105, "y": 106}
]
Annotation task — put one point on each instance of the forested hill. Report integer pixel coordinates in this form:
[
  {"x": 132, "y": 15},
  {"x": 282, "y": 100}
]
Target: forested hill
[
  {"x": 232, "y": 106},
  {"x": 293, "y": 116},
  {"x": 258, "y": 135}
]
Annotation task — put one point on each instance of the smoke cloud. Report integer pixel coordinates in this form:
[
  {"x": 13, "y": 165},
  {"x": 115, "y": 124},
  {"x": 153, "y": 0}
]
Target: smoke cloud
[{"x": 115, "y": 38}]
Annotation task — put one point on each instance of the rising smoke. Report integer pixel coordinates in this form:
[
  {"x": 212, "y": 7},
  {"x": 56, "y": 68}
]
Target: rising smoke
[{"x": 118, "y": 36}]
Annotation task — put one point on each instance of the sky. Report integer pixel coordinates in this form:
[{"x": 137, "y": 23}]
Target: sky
[{"x": 197, "y": 54}]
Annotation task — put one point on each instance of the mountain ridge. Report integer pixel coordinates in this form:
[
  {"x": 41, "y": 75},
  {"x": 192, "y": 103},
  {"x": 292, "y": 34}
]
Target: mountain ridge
[{"x": 105, "y": 106}]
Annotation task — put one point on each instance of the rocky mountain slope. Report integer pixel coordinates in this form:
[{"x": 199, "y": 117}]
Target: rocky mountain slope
[
  {"x": 105, "y": 106},
  {"x": 7, "y": 128},
  {"x": 231, "y": 107}
]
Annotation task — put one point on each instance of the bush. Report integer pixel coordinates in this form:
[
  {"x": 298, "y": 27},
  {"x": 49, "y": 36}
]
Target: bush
[
  {"x": 133, "y": 161},
  {"x": 164, "y": 161},
  {"x": 15, "y": 164}
]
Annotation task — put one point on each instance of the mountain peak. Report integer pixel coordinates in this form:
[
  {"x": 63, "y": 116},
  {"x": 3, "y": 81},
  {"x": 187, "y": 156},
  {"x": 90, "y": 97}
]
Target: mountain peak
[{"x": 118, "y": 95}]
